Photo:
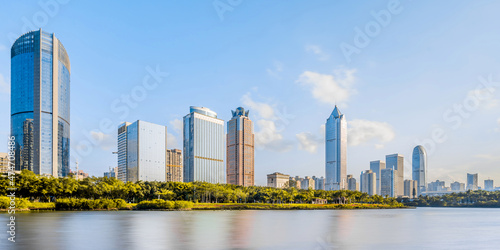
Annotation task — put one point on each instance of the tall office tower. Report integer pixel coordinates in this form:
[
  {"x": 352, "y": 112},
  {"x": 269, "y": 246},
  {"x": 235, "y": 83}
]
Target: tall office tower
[
  {"x": 368, "y": 182},
  {"x": 352, "y": 184},
  {"x": 240, "y": 149},
  {"x": 142, "y": 151},
  {"x": 488, "y": 185},
  {"x": 27, "y": 153},
  {"x": 457, "y": 186},
  {"x": 396, "y": 162},
  {"x": 411, "y": 188},
  {"x": 203, "y": 146},
  {"x": 122, "y": 151},
  {"x": 174, "y": 165},
  {"x": 419, "y": 167},
  {"x": 472, "y": 181},
  {"x": 40, "y": 91},
  {"x": 376, "y": 167},
  {"x": 387, "y": 177},
  {"x": 336, "y": 151},
  {"x": 319, "y": 183}
]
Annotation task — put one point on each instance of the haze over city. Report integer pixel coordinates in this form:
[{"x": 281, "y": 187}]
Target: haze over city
[{"x": 289, "y": 64}]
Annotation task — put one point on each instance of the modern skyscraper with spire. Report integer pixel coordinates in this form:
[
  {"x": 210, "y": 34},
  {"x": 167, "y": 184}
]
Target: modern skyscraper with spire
[
  {"x": 240, "y": 149},
  {"x": 336, "y": 151},
  {"x": 40, "y": 100},
  {"x": 419, "y": 167}
]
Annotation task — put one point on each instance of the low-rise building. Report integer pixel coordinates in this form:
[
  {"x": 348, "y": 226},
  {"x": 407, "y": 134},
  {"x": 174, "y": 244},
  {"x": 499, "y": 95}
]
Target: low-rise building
[
  {"x": 319, "y": 183},
  {"x": 411, "y": 188},
  {"x": 368, "y": 182},
  {"x": 307, "y": 183},
  {"x": 457, "y": 186},
  {"x": 277, "y": 180},
  {"x": 352, "y": 184}
]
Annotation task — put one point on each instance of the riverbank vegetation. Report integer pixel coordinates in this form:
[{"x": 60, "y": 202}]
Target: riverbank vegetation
[
  {"x": 479, "y": 198},
  {"x": 111, "y": 193}
]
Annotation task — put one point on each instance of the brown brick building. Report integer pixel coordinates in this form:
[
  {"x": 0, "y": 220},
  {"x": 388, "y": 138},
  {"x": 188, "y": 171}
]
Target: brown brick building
[
  {"x": 240, "y": 149},
  {"x": 174, "y": 165}
]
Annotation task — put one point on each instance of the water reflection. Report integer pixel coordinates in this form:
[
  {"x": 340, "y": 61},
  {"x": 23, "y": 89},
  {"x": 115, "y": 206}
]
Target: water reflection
[{"x": 431, "y": 228}]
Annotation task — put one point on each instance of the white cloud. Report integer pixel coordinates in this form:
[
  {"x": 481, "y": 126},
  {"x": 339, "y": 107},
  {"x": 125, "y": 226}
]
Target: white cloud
[
  {"x": 308, "y": 142},
  {"x": 263, "y": 110},
  {"x": 484, "y": 97},
  {"x": 331, "y": 89},
  {"x": 177, "y": 125},
  {"x": 4, "y": 87},
  {"x": 172, "y": 141},
  {"x": 315, "y": 49},
  {"x": 268, "y": 133},
  {"x": 105, "y": 141},
  {"x": 362, "y": 132},
  {"x": 277, "y": 68}
]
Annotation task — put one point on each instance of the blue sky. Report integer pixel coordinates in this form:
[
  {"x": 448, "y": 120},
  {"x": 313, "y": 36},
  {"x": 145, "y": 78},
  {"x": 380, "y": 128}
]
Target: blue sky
[{"x": 414, "y": 72}]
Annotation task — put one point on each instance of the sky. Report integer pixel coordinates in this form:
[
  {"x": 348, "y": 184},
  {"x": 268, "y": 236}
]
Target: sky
[{"x": 404, "y": 73}]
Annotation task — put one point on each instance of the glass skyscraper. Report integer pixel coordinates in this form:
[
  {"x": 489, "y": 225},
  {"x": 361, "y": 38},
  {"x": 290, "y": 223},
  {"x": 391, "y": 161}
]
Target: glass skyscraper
[
  {"x": 376, "y": 167},
  {"x": 40, "y": 103},
  {"x": 419, "y": 167},
  {"x": 396, "y": 163},
  {"x": 240, "y": 149},
  {"x": 203, "y": 146},
  {"x": 142, "y": 151},
  {"x": 336, "y": 151}
]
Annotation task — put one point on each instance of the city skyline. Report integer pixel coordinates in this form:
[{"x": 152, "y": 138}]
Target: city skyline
[{"x": 292, "y": 129}]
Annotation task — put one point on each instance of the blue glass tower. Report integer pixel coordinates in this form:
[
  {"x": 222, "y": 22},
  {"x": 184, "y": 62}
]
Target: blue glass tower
[
  {"x": 336, "y": 151},
  {"x": 40, "y": 99},
  {"x": 419, "y": 167}
]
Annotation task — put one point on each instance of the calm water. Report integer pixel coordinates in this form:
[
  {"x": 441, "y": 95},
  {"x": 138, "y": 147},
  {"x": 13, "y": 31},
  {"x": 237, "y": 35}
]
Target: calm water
[{"x": 429, "y": 228}]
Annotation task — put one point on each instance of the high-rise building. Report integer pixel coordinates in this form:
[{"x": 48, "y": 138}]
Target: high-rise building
[
  {"x": 419, "y": 167},
  {"x": 113, "y": 173},
  {"x": 173, "y": 170},
  {"x": 352, "y": 184},
  {"x": 488, "y": 185},
  {"x": 277, "y": 180},
  {"x": 295, "y": 182},
  {"x": 203, "y": 146},
  {"x": 472, "y": 181},
  {"x": 40, "y": 102},
  {"x": 307, "y": 183},
  {"x": 411, "y": 188},
  {"x": 387, "y": 182},
  {"x": 368, "y": 182},
  {"x": 457, "y": 186},
  {"x": 4, "y": 162},
  {"x": 122, "y": 151},
  {"x": 376, "y": 167},
  {"x": 143, "y": 149},
  {"x": 319, "y": 183},
  {"x": 240, "y": 149},
  {"x": 396, "y": 162},
  {"x": 436, "y": 186},
  {"x": 336, "y": 151}
]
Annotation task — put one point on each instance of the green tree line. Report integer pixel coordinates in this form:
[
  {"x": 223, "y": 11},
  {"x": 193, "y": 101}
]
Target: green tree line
[
  {"x": 45, "y": 189},
  {"x": 479, "y": 198}
]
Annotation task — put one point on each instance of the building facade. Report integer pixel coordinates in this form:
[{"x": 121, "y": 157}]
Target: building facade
[
  {"x": 173, "y": 170},
  {"x": 368, "y": 182},
  {"x": 411, "y": 188},
  {"x": 352, "y": 184},
  {"x": 40, "y": 104},
  {"x": 376, "y": 167},
  {"x": 396, "y": 163},
  {"x": 277, "y": 180},
  {"x": 419, "y": 167},
  {"x": 336, "y": 151},
  {"x": 295, "y": 182},
  {"x": 457, "y": 186},
  {"x": 472, "y": 181},
  {"x": 141, "y": 151},
  {"x": 387, "y": 182},
  {"x": 488, "y": 185},
  {"x": 319, "y": 183},
  {"x": 307, "y": 183},
  {"x": 203, "y": 146},
  {"x": 436, "y": 186},
  {"x": 240, "y": 149},
  {"x": 113, "y": 173},
  {"x": 4, "y": 162}
]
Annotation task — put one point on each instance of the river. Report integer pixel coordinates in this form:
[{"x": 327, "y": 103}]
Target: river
[{"x": 421, "y": 228}]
